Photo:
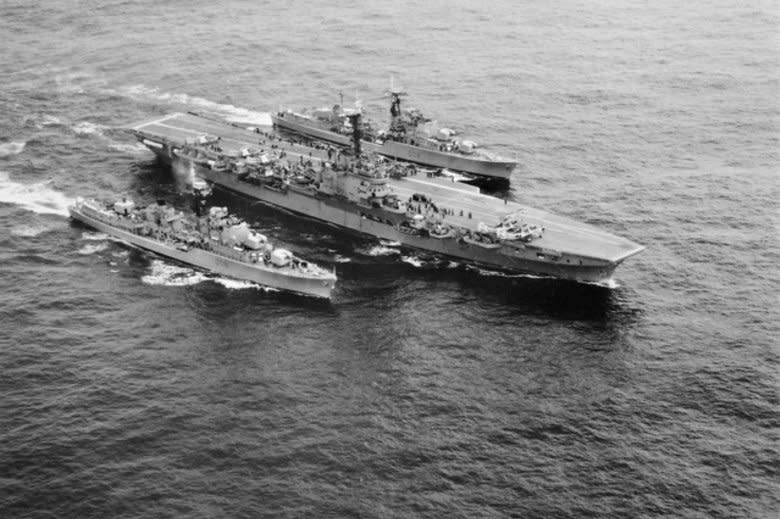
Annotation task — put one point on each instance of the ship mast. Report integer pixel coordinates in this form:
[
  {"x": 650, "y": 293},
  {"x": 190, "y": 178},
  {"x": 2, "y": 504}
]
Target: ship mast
[
  {"x": 395, "y": 104},
  {"x": 396, "y": 119}
]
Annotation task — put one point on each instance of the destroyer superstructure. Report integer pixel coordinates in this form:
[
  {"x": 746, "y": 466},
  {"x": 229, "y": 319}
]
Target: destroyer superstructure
[
  {"x": 410, "y": 137},
  {"x": 216, "y": 242},
  {"x": 387, "y": 200}
]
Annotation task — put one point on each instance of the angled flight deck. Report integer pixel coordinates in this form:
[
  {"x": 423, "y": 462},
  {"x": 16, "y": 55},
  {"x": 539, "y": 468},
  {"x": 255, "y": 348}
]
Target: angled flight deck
[{"x": 564, "y": 244}]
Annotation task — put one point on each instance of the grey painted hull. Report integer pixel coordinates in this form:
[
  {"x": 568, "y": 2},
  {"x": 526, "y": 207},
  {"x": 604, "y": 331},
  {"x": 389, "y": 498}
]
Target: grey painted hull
[
  {"x": 568, "y": 248},
  {"x": 203, "y": 259},
  {"x": 498, "y": 169},
  {"x": 527, "y": 259}
]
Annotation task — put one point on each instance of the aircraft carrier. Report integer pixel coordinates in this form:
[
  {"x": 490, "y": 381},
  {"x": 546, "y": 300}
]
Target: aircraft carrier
[{"x": 417, "y": 209}]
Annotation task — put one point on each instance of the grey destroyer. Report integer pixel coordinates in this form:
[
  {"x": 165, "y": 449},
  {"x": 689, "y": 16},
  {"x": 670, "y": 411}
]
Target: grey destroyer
[
  {"x": 410, "y": 137},
  {"x": 216, "y": 242},
  {"x": 386, "y": 200}
]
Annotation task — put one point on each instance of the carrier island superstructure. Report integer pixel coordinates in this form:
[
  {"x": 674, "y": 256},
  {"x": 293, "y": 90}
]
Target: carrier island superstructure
[{"x": 388, "y": 201}]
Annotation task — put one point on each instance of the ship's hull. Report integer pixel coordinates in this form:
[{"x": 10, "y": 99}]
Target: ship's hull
[
  {"x": 367, "y": 221},
  {"x": 495, "y": 169},
  {"x": 203, "y": 259}
]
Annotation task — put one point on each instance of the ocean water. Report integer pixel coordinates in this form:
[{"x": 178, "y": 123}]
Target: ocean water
[{"x": 135, "y": 387}]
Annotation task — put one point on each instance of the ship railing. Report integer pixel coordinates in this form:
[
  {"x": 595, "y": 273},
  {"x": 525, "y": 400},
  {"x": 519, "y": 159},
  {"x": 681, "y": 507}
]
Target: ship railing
[
  {"x": 243, "y": 256},
  {"x": 229, "y": 252},
  {"x": 108, "y": 217}
]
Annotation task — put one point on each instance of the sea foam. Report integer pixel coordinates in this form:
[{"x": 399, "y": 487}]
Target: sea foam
[
  {"x": 86, "y": 128},
  {"x": 39, "y": 198},
  {"x": 11, "y": 148},
  {"x": 30, "y": 230},
  {"x": 230, "y": 112},
  {"x": 92, "y": 248},
  {"x": 378, "y": 250},
  {"x": 413, "y": 260},
  {"x": 165, "y": 274}
]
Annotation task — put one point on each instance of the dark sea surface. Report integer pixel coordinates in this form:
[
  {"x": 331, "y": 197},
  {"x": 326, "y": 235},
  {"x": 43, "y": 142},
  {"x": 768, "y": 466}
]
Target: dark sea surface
[{"x": 134, "y": 387}]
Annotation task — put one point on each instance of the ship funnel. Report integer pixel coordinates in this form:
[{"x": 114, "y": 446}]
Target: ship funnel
[{"x": 354, "y": 119}]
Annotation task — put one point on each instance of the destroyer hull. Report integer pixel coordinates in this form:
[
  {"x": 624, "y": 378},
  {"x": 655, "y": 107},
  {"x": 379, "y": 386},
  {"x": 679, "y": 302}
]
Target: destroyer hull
[
  {"x": 212, "y": 262},
  {"x": 366, "y": 221},
  {"x": 495, "y": 169}
]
